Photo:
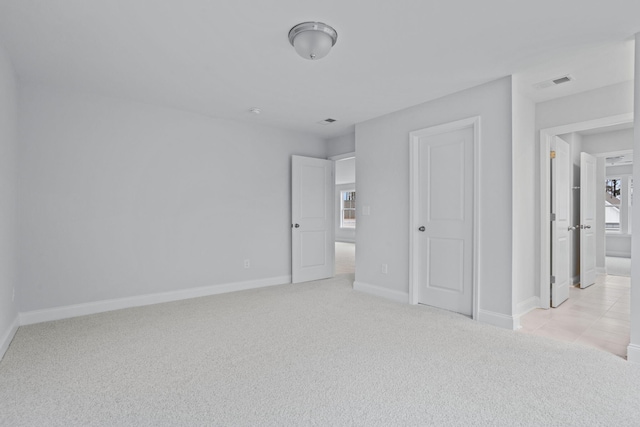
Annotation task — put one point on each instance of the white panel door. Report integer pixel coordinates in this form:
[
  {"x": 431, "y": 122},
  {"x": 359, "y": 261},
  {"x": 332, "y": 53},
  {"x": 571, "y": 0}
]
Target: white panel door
[
  {"x": 445, "y": 220},
  {"x": 587, "y": 220},
  {"x": 560, "y": 228},
  {"x": 312, "y": 231}
]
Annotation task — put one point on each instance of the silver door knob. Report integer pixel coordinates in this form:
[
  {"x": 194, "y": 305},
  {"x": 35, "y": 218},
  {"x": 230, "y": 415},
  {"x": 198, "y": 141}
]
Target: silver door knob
[{"x": 422, "y": 228}]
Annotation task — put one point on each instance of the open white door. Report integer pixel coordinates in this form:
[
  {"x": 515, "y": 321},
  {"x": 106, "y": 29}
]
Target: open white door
[
  {"x": 587, "y": 220},
  {"x": 560, "y": 229},
  {"x": 312, "y": 230}
]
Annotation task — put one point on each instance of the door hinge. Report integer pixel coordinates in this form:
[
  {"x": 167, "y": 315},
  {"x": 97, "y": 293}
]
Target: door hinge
[
  {"x": 553, "y": 155},
  {"x": 552, "y": 217},
  {"x": 553, "y": 279}
]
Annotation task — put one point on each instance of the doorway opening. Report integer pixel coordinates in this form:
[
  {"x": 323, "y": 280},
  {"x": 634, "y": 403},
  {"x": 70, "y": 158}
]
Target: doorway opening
[
  {"x": 591, "y": 128},
  {"x": 345, "y": 214},
  {"x": 598, "y": 315}
]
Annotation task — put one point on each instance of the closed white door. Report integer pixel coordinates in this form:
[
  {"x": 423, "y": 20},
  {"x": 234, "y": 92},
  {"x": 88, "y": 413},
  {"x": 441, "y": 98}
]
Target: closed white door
[
  {"x": 443, "y": 223},
  {"x": 587, "y": 220},
  {"x": 560, "y": 227},
  {"x": 312, "y": 231}
]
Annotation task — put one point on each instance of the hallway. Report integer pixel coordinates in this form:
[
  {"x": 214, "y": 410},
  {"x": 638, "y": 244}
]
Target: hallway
[
  {"x": 597, "y": 316},
  {"x": 345, "y": 258}
]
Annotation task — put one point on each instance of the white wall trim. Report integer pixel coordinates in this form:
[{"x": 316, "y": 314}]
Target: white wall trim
[
  {"x": 545, "y": 206},
  {"x": 345, "y": 240},
  {"x": 601, "y": 270},
  {"x": 527, "y": 305},
  {"x": 618, "y": 254},
  {"x": 414, "y": 262},
  {"x": 6, "y": 339},
  {"x": 342, "y": 156},
  {"x": 379, "y": 291},
  {"x": 498, "y": 319},
  {"x": 65, "y": 312},
  {"x": 633, "y": 353},
  {"x": 523, "y": 308}
]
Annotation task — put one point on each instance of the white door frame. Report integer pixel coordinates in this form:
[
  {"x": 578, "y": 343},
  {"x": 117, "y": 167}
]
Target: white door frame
[
  {"x": 414, "y": 262},
  {"x": 342, "y": 156},
  {"x": 546, "y": 135}
]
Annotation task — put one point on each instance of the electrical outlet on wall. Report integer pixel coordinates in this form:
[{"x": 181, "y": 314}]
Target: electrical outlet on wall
[
  {"x": 385, "y": 269},
  {"x": 247, "y": 263}
]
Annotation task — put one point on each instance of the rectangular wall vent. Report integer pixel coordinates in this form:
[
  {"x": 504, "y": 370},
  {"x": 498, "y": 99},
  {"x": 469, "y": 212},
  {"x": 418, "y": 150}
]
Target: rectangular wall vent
[
  {"x": 554, "y": 82},
  {"x": 564, "y": 79}
]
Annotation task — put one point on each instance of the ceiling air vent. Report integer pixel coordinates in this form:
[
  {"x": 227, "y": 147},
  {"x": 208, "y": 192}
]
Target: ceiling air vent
[
  {"x": 326, "y": 121},
  {"x": 554, "y": 82}
]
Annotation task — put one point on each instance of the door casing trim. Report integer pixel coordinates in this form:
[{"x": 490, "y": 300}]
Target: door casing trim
[{"x": 545, "y": 194}]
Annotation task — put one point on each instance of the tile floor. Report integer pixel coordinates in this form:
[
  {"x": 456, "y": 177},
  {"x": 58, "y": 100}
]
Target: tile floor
[
  {"x": 345, "y": 258},
  {"x": 597, "y": 316}
]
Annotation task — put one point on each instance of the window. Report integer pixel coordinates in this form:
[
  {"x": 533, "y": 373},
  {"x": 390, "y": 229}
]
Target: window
[
  {"x": 612, "y": 198},
  {"x": 348, "y": 209}
]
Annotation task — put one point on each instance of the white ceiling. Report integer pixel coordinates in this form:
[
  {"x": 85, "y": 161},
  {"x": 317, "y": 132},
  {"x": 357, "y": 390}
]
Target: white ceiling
[{"x": 221, "y": 58}]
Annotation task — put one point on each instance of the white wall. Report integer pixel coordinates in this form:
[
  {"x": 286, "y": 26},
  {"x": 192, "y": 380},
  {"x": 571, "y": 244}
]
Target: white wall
[
  {"x": 119, "y": 199},
  {"x": 382, "y": 176},
  {"x": 346, "y": 171},
  {"x": 591, "y": 105},
  {"x": 633, "y": 351},
  {"x": 8, "y": 199},
  {"x": 618, "y": 245},
  {"x": 341, "y": 145},
  {"x": 525, "y": 275},
  {"x": 607, "y": 142}
]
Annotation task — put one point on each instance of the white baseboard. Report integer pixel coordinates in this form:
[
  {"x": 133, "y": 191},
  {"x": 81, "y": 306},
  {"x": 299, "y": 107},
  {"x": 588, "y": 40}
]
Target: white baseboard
[
  {"x": 523, "y": 308},
  {"x": 601, "y": 270},
  {"x": 633, "y": 353},
  {"x": 345, "y": 240},
  {"x": 498, "y": 319},
  {"x": 617, "y": 254},
  {"x": 8, "y": 336},
  {"x": 57, "y": 313},
  {"x": 379, "y": 291},
  {"x": 527, "y": 305}
]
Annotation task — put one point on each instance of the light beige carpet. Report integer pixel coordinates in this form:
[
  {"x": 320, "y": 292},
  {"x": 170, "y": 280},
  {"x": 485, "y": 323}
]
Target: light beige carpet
[{"x": 308, "y": 354}]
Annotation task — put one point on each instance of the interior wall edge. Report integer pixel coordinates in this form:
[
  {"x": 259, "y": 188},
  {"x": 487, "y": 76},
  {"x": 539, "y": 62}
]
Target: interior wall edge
[
  {"x": 633, "y": 353},
  {"x": 527, "y": 305},
  {"x": 498, "y": 319},
  {"x": 5, "y": 342}
]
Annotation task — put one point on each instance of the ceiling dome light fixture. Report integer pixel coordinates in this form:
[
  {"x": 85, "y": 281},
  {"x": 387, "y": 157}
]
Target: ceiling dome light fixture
[{"x": 312, "y": 40}]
